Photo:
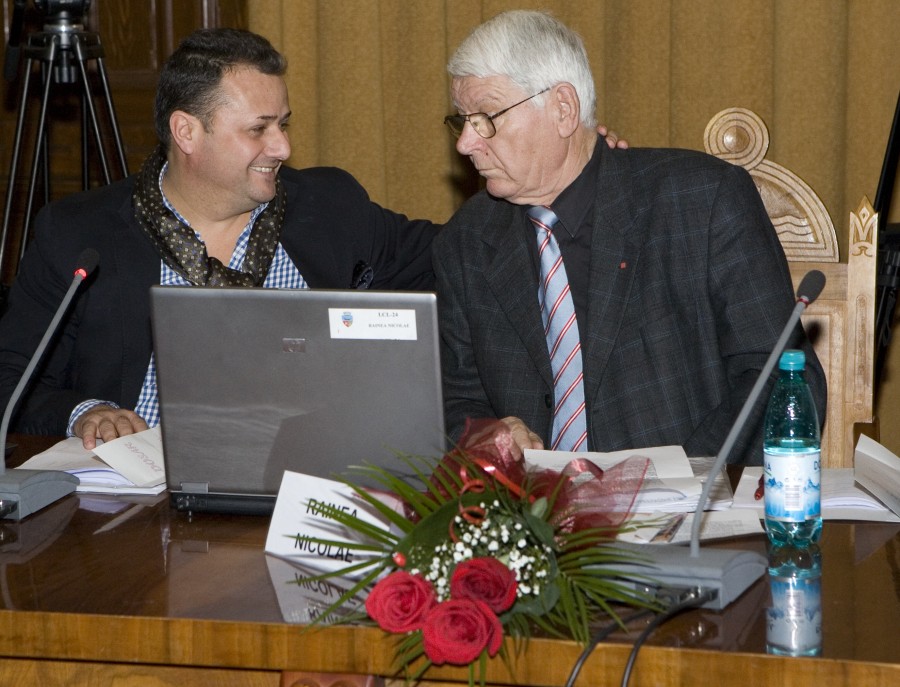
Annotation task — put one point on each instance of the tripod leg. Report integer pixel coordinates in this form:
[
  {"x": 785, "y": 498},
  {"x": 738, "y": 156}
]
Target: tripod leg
[
  {"x": 85, "y": 167},
  {"x": 86, "y": 50},
  {"x": 45, "y": 165},
  {"x": 113, "y": 122},
  {"x": 41, "y": 164},
  {"x": 39, "y": 142},
  {"x": 14, "y": 160},
  {"x": 88, "y": 102}
]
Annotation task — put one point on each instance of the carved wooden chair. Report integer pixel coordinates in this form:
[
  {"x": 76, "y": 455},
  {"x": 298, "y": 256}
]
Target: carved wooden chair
[{"x": 841, "y": 322}]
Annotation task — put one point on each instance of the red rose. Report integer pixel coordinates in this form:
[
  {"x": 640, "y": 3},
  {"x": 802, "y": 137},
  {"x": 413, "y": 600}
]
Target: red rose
[
  {"x": 400, "y": 601},
  {"x": 457, "y": 631},
  {"x": 485, "y": 579}
]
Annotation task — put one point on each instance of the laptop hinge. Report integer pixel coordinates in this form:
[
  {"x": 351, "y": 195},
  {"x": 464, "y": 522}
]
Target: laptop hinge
[{"x": 195, "y": 487}]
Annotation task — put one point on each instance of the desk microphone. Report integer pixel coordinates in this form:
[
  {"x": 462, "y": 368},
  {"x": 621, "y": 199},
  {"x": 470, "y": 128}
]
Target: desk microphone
[
  {"x": 23, "y": 492},
  {"x": 726, "y": 572}
]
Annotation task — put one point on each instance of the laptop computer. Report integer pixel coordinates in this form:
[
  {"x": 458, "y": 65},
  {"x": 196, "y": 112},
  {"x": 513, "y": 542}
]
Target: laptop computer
[{"x": 253, "y": 382}]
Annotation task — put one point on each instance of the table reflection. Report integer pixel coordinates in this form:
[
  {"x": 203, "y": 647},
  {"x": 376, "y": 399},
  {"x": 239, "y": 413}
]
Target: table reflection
[
  {"x": 305, "y": 599},
  {"x": 794, "y": 618},
  {"x": 135, "y": 556}
]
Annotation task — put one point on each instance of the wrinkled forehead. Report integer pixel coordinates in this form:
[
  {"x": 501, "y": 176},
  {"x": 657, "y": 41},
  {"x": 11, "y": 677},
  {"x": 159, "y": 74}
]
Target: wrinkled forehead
[{"x": 483, "y": 94}]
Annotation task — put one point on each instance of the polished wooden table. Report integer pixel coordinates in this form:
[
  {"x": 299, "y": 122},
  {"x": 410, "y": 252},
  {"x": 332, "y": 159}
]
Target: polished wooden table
[{"x": 125, "y": 591}]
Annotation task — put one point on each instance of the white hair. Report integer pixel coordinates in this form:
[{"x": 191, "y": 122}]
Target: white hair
[{"x": 534, "y": 50}]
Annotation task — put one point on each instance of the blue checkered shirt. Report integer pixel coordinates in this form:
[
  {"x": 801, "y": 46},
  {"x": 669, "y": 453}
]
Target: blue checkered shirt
[{"x": 283, "y": 274}]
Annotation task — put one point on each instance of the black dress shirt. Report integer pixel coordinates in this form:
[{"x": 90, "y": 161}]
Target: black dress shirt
[{"x": 573, "y": 231}]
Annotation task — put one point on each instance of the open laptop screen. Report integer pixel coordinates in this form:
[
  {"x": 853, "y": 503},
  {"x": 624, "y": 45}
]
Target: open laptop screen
[{"x": 256, "y": 381}]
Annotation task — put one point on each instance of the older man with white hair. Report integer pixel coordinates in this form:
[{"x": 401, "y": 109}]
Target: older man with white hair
[{"x": 598, "y": 299}]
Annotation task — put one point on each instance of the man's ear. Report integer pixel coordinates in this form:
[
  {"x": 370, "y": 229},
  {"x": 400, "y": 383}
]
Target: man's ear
[
  {"x": 567, "y": 109},
  {"x": 184, "y": 128}
]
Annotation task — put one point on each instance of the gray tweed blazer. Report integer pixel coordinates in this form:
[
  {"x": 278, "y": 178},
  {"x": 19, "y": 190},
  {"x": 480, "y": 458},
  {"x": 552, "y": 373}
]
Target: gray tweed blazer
[{"x": 689, "y": 290}]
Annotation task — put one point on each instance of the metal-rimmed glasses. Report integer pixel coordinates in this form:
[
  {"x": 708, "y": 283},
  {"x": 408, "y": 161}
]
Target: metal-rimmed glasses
[{"x": 481, "y": 122}]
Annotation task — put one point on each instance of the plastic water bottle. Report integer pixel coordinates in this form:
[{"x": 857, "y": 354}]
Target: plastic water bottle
[{"x": 791, "y": 441}]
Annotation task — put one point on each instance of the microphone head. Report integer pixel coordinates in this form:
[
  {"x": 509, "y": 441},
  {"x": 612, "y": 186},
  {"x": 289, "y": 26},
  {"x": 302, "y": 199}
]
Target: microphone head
[
  {"x": 87, "y": 262},
  {"x": 811, "y": 286}
]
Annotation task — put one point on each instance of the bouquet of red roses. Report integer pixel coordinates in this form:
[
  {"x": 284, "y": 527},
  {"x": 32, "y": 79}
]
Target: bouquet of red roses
[{"x": 489, "y": 549}]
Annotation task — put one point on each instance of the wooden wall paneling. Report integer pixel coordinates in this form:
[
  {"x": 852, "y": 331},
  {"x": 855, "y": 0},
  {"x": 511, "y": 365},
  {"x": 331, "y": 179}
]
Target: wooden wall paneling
[{"x": 134, "y": 37}]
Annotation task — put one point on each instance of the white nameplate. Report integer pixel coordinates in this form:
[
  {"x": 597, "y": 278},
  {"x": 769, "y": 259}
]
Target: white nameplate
[
  {"x": 371, "y": 323},
  {"x": 298, "y": 518}
]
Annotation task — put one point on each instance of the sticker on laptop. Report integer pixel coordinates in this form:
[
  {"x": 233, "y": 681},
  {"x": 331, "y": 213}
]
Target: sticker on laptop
[{"x": 372, "y": 323}]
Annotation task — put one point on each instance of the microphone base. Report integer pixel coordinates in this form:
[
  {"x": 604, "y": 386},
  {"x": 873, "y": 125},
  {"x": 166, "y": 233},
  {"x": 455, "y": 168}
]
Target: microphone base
[
  {"x": 667, "y": 568},
  {"x": 23, "y": 492}
]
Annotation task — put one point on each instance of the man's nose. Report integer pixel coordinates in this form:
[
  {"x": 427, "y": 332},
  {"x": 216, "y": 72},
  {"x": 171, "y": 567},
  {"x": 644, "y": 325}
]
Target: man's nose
[
  {"x": 468, "y": 140},
  {"x": 279, "y": 145}
]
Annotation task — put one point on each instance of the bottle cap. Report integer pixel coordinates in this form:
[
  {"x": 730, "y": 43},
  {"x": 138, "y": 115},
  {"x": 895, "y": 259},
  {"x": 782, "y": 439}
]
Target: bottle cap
[{"x": 792, "y": 360}]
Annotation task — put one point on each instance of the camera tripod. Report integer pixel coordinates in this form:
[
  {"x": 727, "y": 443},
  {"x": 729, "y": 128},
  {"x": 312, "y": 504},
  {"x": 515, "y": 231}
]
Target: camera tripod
[
  {"x": 63, "y": 50},
  {"x": 888, "y": 279}
]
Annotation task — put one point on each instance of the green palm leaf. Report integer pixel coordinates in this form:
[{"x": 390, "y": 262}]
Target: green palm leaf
[{"x": 574, "y": 575}]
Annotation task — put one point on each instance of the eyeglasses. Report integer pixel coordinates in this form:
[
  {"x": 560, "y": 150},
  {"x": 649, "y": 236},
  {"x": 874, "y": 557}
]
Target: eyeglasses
[{"x": 481, "y": 122}]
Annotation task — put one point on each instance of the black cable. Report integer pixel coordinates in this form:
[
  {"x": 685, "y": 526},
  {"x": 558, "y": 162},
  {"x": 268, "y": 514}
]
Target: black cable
[
  {"x": 598, "y": 637},
  {"x": 696, "y": 599}
]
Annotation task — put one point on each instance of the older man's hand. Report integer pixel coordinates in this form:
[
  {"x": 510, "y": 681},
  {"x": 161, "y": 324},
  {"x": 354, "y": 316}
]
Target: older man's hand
[
  {"x": 522, "y": 437},
  {"x": 612, "y": 138}
]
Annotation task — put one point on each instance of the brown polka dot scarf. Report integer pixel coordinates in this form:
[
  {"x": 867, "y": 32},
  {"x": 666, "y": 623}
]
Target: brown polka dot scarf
[{"x": 184, "y": 252}]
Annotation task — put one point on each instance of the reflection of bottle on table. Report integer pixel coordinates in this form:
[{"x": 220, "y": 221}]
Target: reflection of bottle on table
[{"x": 794, "y": 621}]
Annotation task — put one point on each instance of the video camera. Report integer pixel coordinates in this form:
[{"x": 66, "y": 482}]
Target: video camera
[
  {"x": 63, "y": 9},
  {"x": 62, "y": 17}
]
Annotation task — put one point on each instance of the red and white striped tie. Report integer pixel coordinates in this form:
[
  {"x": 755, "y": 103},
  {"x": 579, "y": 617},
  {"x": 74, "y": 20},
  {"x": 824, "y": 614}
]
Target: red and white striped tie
[{"x": 563, "y": 341}]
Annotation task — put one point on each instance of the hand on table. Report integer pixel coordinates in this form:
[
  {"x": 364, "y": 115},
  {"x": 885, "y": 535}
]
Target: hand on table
[{"x": 107, "y": 423}]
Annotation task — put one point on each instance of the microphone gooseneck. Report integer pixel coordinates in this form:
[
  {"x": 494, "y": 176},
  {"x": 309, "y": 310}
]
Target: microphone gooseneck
[
  {"x": 810, "y": 287},
  {"x": 30, "y": 490}
]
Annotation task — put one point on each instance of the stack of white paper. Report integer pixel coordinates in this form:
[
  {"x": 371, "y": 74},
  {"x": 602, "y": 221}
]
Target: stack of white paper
[{"x": 128, "y": 465}]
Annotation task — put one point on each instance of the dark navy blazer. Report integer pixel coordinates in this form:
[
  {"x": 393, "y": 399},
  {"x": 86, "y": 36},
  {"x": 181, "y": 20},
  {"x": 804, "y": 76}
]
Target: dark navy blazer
[{"x": 104, "y": 344}]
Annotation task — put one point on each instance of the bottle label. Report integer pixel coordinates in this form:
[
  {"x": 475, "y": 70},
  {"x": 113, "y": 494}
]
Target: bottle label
[{"x": 792, "y": 485}]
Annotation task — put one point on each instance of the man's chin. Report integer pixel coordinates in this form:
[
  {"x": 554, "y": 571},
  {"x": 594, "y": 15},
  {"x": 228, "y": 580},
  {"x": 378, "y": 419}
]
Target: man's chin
[
  {"x": 497, "y": 188},
  {"x": 502, "y": 191},
  {"x": 264, "y": 195}
]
